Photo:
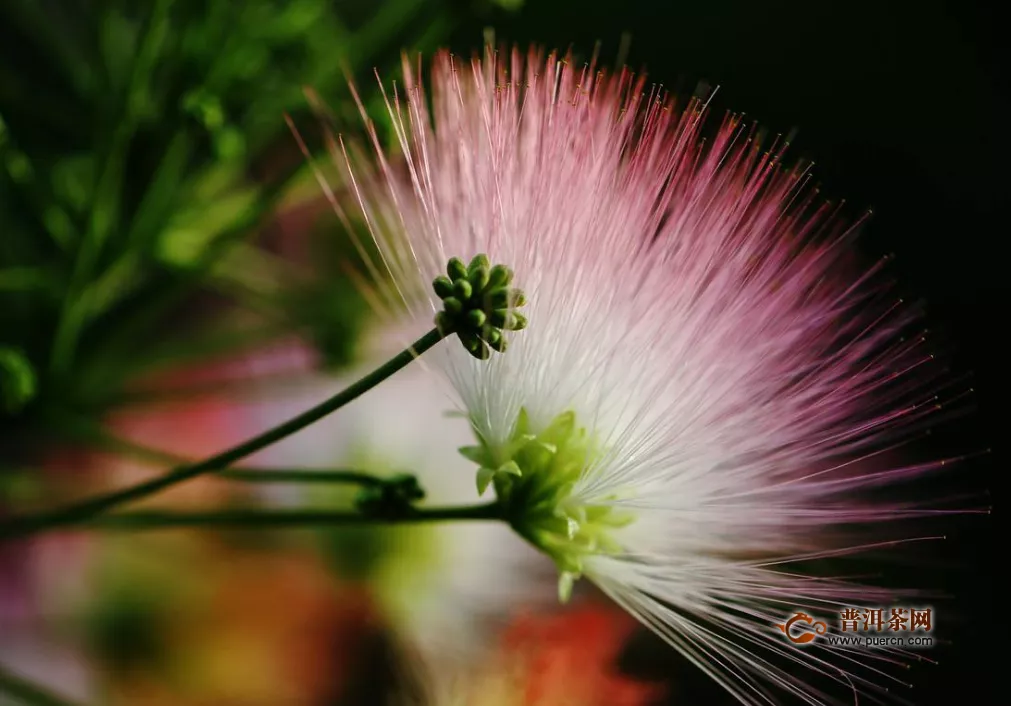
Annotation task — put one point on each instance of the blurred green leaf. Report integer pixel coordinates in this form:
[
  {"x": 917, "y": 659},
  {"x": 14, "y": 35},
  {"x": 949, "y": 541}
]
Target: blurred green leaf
[
  {"x": 25, "y": 278},
  {"x": 119, "y": 36},
  {"x": 191, "y": 232},
  {"x": 18, "y": 383},
  {"x": 142, "y": 144}
]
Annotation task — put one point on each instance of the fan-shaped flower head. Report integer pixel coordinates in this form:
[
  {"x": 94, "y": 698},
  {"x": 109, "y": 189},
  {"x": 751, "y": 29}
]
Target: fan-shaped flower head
[{"x": 703, "y": 384}]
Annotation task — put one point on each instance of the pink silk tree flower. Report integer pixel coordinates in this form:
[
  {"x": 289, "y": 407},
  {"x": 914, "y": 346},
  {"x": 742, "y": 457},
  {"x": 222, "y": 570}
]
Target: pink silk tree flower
[{"x": 701, "y": 407}]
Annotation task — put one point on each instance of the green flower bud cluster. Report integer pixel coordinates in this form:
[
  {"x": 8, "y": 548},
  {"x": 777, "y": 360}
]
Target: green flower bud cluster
[
  {"x": 478, "y": 305},
  {"x": 534, "y": 475}
]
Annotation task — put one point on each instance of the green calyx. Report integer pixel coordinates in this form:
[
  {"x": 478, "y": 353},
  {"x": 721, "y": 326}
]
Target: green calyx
[
  {"x": 478, "y": 305},
  {"x": 534, "y": 474}
]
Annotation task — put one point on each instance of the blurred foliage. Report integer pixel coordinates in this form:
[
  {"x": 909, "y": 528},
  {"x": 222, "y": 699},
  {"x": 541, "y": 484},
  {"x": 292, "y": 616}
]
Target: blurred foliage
[
  {"x": 136, "y": 597},
  {"x": 142, "y": 144}
]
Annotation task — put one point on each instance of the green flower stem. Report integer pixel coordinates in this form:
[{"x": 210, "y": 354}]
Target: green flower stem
[
  {"x": 286, "y": 519},
  {"x": 86, "y": 510},
  {"x": 88, "y": 432},
  {"x": 269, "y": 475},
  {"x": 28, "y": 693}
]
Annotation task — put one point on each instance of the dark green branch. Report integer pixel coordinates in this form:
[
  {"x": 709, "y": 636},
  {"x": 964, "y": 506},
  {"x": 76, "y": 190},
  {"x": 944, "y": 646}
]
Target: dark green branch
[
  {"x": 270, "y": 475},
  {"x": 286, "y": 519},
  {"x": 23, "y": 526}
]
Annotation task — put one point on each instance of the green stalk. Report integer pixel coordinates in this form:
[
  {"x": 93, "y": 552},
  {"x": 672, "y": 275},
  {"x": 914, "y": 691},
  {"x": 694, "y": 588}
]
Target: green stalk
[
  {"x": 86, "y": 510},
  {"x": 270, "y": 475},
  {"x": 286, "y": 519}
]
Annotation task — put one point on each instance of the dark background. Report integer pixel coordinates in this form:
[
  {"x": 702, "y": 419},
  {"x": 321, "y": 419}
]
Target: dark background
[{"x": 901, "y": 105}]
